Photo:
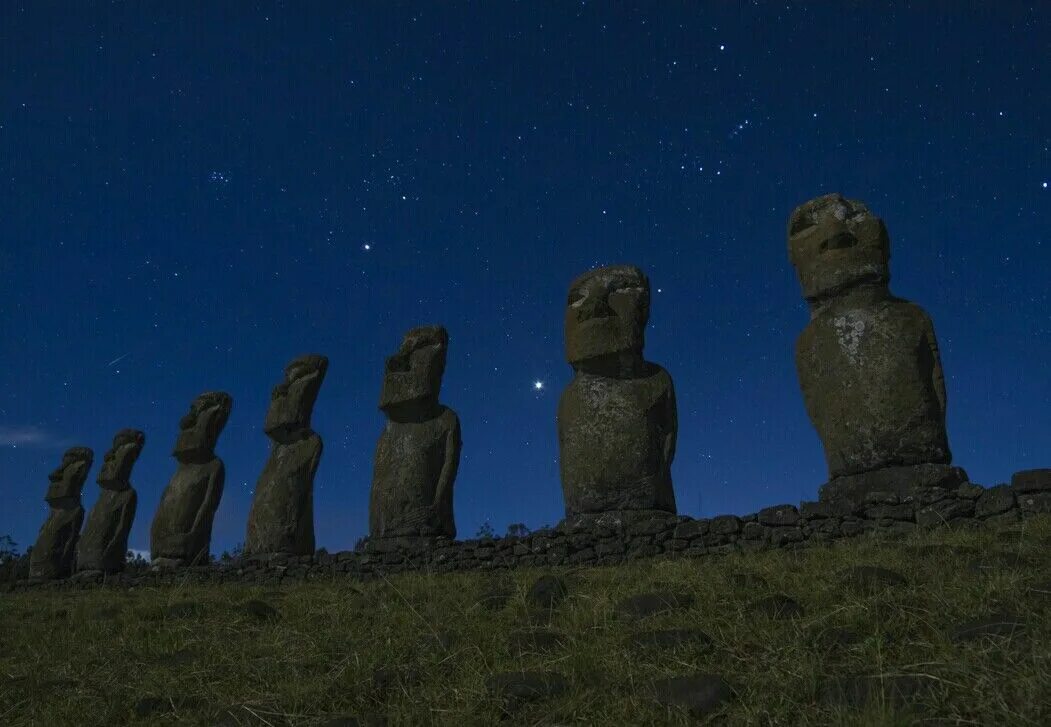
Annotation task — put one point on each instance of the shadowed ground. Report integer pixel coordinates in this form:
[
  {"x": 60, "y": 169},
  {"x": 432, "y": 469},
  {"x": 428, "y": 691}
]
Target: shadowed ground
[{"x": 947, "y": 627}]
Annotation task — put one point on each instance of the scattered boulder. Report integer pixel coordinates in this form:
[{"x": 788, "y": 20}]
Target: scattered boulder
[
  {"x": 261, "y": 610},
  {"x": 778, "y": 606},
  {"x": 870, "y": 578},
  {"x": 748, "y": 581},
  {"x": 534, "y": 641},
  {"x": 699, "y": 694},
  {"x": 516, "y": 687},
  {"x": 547, "y": 593},
  {"x": 670, "y": 638},
  {"x": 649, "y": 604}
]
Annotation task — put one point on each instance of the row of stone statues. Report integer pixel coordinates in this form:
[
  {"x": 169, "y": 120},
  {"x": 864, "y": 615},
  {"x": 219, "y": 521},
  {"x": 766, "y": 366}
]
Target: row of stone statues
[{"x": 867, "y": 362}]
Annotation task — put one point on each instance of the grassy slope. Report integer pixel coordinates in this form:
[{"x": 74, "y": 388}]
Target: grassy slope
[{"x": 90, "y": 657}]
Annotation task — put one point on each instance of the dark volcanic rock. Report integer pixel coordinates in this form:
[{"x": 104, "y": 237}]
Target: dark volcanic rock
[
  {"x": 181, "y": 532},
  {"x": 261, "y": 610},
  {"x": 670, "y": 638},
  {"x": 649, "y": 604},
  {"x": 903, "y": 481},
  {"x": 777, "y": 605},
  {"x": 418, "y": 453},
  {"x": 868, "y": 362},
  {"x": 699, "y": 694},
  {"x": 870, "y": 578},
  {"x": 525, "y": 686},
  {"x": 748, "y": 581},
  {"x": 547, "y": 593},
  {"x": 534, "y": 641},
  {"x": 1031, "y": 480},
  {"x": 103, "y": 545},
  {"x": 617, "y": 421},
  {"x": 54, "y": 553},
  {"x": 282, "y": 516}
]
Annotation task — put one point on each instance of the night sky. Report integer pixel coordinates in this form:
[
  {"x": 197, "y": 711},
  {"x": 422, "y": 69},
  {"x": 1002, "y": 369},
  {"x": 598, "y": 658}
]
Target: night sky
[{"x": 191, "y": 196}]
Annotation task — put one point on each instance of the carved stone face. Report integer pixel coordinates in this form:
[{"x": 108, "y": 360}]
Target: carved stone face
[
  {"x": 199, "y": 430},
  {"x": 292, "y": 401},
  {"x": 118, "y": 461},
  {"x": 606, "y": 313},
  {"x": 413, "y": 375},
  {"x": 836, "y": 243},
  {"x": 68, "y": 478}
]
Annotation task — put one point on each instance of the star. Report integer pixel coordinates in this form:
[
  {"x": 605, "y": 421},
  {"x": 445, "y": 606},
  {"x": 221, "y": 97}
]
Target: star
[
  {"x": 366, "y": 247},
  {"x": 1044, "y": 185},
  {"x": 538, "y": 385}
]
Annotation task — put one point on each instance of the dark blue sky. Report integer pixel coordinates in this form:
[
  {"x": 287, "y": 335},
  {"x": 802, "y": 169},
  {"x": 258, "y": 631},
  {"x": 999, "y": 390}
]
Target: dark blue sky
[{"x": 187, "y": 193}]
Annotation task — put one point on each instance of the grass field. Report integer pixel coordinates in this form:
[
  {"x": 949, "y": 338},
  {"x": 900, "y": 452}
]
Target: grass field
[{"x": 422, "y": 649}]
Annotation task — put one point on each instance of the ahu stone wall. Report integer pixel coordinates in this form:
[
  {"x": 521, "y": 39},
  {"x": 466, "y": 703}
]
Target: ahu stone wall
[{"x": 615, "y": 540}]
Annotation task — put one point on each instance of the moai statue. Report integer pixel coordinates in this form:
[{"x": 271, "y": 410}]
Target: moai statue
[
  {"x": 282, "y": 515},
  {"x": 54, "y": 554},
  {"x": 104, "y": 544},
  {"x": 419, "y": 451},
  {"x": 182, "y": 528},
  {"x": 868, "y": 362},
  {"x": 617, "y": 421}
]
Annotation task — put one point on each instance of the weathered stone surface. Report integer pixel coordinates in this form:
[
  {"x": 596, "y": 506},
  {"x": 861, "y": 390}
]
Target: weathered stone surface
[
  {"x": 943, "y": 511},
  {"x": 780, "y": 515},
  {"x": 905, "y": 481},
  {"x": 103, "y": 545},
  {"x": 181, "y": 532},
  {"x": 418, "y": 452},
  {"x": 994, "y": 500},
  {"x": 1031, "y": 480},
  {"x": 261, "y": 610},
  {"x": 282, "y": 516},
  {"x": 699, "y": 694},
  {"x": 868, "y": 362},
  {"x": 617, "y": 421},
  {"x": 54, "y": 553}
]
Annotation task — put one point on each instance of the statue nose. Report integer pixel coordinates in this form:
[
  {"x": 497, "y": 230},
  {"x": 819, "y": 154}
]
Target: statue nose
[{"x": 594, "y": 306}]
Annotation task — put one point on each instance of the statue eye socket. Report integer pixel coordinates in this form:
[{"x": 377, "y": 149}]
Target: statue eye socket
[{"x": 803, "y": 222}]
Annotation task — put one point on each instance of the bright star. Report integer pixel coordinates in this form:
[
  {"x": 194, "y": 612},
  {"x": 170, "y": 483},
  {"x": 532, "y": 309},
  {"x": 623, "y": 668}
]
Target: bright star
[
  {"x": 538, "y": 385},
  {"x": 366, "y": 247},
  {"x": 1045, "y": 185}
]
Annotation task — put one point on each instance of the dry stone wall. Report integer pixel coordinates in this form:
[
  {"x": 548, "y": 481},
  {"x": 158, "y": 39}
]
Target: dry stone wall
[{"x": 593, "y": 542}]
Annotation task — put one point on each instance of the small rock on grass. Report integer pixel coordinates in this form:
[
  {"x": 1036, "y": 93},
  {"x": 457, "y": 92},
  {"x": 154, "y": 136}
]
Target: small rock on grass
[
  {"x": 547, "y": 593},
  {"x": 699, "y": 694},
  {"x": 871, "y": 578},
  {"x": 261, "y": 610},
  {"x": 649, "y": 604},
  {"x": 670, "y": 638},
  {"x": 776, "y": 606},
  {"x": 526, "y": 686}
]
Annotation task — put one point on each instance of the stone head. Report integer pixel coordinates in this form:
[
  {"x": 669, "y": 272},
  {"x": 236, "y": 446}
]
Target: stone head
[
  {"x": 606, "y": 313},
  {"x": 118, "y": 461},
  {"x": 68, "y": 478},
  {"x": 199, "y": 430},
  {"x": 412, "y": 377},
  {"x": 835, "y": 244},
  {"x": 292, "y": 401}
]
